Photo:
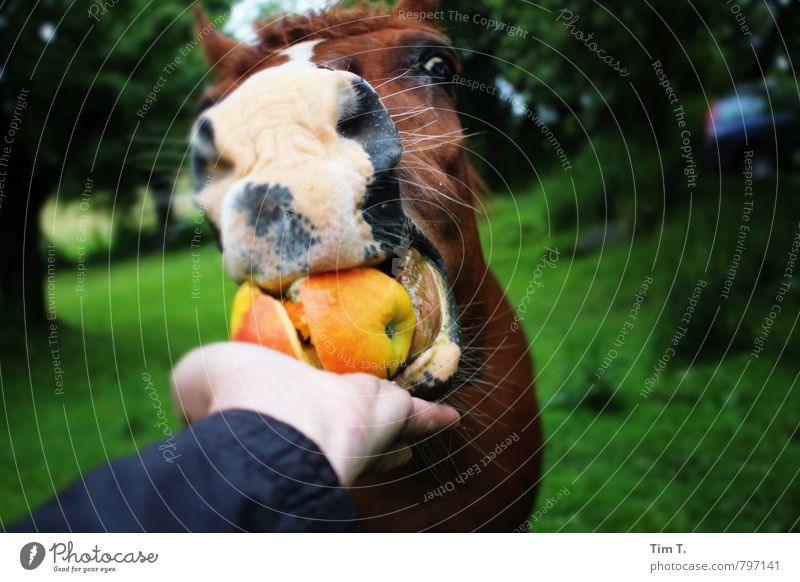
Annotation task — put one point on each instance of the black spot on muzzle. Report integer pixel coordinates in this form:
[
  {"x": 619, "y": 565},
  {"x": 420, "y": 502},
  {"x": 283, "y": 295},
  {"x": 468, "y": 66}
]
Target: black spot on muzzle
[{"x": 270, "y": 212}]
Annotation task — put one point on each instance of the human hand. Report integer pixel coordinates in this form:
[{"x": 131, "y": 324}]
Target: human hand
[{"x": 360, "y": 422}]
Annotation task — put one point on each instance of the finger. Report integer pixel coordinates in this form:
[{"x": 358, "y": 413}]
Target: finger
[
  {"x": 392, "y": 459},
  {"x": 428, "y": 417},
  {"x": 201, "y": 377}
]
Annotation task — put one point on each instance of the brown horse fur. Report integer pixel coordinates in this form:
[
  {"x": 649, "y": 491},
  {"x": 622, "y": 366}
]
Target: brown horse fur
[{"x": 484, "y": 475}]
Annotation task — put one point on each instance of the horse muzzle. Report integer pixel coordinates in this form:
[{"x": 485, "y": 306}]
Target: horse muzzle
[{"x": 296, "y": 169}]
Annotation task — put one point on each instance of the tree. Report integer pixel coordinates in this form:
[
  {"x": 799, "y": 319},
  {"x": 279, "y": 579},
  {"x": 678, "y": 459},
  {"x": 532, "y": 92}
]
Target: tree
[{"x": 96, "y": 97}]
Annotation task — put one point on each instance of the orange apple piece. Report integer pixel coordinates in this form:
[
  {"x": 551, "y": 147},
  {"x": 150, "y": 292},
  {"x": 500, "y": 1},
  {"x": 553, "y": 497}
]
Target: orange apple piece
[
  {"x": 360, "y": 320},
  {"x": 297, "y": 314},
  {"x": 260, "y": 319}
]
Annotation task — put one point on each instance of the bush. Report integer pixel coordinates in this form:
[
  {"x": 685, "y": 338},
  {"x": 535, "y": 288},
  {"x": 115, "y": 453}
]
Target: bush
[
  {"x": 743, "y": 269},
  {"x": 615, "y": 181}
]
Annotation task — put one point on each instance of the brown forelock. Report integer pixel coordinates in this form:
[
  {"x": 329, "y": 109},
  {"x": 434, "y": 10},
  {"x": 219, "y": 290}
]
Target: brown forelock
[
  {"x": 234, "y": 64},
  {"x": 336, "y": 21}
]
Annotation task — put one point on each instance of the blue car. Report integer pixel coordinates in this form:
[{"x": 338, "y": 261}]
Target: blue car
[{"x": 760, "y": 118}]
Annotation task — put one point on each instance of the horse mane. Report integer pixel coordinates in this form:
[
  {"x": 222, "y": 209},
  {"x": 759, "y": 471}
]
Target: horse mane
[{"x": 336, "y": 21}]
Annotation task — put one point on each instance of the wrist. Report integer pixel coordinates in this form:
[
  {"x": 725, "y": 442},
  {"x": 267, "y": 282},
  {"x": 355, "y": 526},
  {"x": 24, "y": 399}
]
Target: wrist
[{"x": 338, "y": 443}]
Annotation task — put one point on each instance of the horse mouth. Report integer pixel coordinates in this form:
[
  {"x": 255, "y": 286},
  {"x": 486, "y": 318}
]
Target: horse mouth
[
  {"x": 429, "y": 368},
  {"x": 435, "y": 350}
]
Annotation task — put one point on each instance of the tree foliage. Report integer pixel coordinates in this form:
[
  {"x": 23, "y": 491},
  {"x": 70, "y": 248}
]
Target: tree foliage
[{"x": 591, "y": 62}]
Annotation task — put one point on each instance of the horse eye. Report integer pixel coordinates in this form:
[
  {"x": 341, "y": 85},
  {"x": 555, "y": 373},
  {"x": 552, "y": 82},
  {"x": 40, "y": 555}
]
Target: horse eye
[{"x": 438, "y": 67}]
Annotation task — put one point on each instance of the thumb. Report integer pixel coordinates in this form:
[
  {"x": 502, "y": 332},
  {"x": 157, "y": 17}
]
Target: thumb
[{"x": 427, "y": 418}]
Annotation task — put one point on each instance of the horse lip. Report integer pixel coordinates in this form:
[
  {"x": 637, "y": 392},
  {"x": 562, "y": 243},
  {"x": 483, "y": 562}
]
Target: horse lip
[
  {"x": 425, "y": 246},
  {"x": 436, "y": 347}
]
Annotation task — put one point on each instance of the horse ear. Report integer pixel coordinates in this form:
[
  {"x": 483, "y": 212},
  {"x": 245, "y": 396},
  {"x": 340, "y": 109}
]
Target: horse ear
[
  {"x": 217, "y": 47},
  {"x": 418, "y": 9}
]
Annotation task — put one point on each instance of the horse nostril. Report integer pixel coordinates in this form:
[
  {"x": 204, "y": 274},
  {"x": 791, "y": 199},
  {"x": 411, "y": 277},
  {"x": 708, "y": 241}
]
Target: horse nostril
[{"x": 370, "y": 125}]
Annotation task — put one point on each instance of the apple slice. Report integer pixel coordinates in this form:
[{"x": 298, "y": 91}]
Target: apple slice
[{"x": 260, "y": 319}]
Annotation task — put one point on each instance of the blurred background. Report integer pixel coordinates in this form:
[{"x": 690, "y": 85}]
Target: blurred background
[{"x": 644, "y": 217}]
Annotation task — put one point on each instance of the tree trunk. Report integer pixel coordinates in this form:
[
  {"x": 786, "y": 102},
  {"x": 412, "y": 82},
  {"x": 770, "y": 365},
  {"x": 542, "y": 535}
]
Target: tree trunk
[{"x": 22, "y": 268}]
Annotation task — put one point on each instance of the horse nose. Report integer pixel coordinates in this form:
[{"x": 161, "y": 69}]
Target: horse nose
[
  {"x": 368, "y": 123},
  {"x": 299, "y": 165}
]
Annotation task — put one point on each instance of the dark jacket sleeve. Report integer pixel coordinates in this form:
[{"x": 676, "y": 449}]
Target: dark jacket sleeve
[{"x": 233, "y": 471}]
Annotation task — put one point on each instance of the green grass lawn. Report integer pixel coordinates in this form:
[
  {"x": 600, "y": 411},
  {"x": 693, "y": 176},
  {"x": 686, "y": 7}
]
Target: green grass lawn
[
  {"x": 714, "y": 447},
  {"x": 117, "y": 338}
]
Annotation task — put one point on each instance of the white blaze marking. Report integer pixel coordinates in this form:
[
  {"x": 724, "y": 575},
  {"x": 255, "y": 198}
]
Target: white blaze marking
[{"x": 301, "y": 52}]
